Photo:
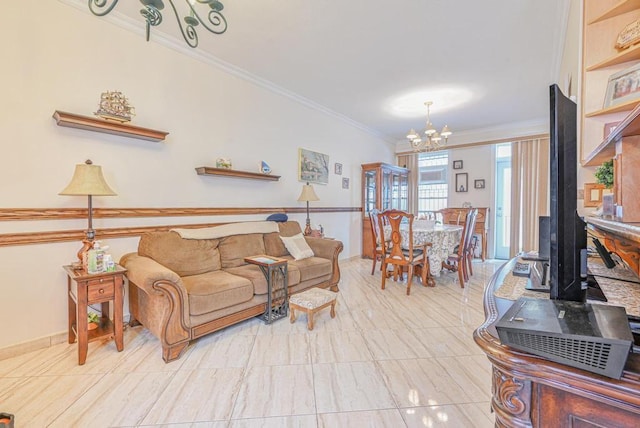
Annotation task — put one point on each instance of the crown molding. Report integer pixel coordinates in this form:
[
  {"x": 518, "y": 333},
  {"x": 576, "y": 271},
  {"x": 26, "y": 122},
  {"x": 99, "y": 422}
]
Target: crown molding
[{"x": 137, "y": 26}]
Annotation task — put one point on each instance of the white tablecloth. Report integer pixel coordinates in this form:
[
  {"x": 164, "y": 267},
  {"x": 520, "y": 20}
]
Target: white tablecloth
[{"x": 443, "y": 239}]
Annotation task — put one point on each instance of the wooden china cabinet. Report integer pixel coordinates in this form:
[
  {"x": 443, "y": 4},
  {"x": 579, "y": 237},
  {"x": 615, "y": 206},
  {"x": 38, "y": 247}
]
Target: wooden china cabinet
[{"x": 384, "y": 187}]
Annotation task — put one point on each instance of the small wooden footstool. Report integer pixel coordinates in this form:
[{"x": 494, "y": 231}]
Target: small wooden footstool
[{"x": 311, "y": 301}]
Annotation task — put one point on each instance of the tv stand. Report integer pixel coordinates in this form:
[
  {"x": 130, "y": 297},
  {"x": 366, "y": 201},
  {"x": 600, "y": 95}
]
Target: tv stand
[{"x": 530, "y": 391}]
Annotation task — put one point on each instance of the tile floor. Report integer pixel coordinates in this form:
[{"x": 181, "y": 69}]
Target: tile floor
[{"x": 386, "y": 360}]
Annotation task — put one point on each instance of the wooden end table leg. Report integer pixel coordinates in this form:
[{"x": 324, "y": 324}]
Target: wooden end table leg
[
  {"x": 292, "y": 310},
  {"x": 118, "y": 303},
  {"x": 71, "y": 308},
  {"x": 333, "y": 309}
]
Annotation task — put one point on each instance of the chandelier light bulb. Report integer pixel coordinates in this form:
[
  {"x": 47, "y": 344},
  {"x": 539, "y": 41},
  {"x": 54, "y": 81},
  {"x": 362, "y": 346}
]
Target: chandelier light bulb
[
  {"x": 446, "y": 132},
  {"x": 412, "y": 135}
]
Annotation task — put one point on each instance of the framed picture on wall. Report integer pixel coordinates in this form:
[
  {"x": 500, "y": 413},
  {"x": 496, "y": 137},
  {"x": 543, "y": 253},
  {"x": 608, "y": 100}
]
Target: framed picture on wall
[
  {"x": 457, "y": 164},
  {"x": 337, "y": 168},
  {"x": 313, "y": 167},
  {"x": 479, "y": 184},
  {"x": 345, "y": 183},
  {"x": 462, "y": 182}
]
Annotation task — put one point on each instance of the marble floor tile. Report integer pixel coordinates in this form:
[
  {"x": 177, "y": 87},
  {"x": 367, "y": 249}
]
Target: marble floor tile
[
  {"x": 219, "y": 351},
  {"x": 454, "y": 416},
  {"x": 386, "y": 360},
  {"x": 338, "y": 346},
  {"x": 196, "y": 396},
  {"x": 276, "y": 391},
  {"x": 395, "y": 344},
  {"x": 370, "y": 419},
  {"x": 342, "y": 387},
  {"x": 304, "y": 421},
  {"x": 118, "y": 399},
  {"x": 421, "y": 382},
  {"x": 280, "y": 350}
]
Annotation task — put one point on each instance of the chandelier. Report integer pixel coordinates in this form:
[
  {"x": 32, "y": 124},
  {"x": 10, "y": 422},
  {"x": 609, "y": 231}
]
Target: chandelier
[
  {"x": 433, "y": 140},
  {"x": 215, "y": 22}
]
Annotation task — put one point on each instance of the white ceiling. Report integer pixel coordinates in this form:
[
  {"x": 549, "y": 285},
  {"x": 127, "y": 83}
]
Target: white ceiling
[{"x": 484, "y": 64}]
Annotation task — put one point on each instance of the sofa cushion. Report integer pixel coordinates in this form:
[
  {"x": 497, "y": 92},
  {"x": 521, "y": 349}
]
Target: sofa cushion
[
  {"x": 289, "y": 228},
  {"x": 233, "y": 249},
  {"x": 297, "y": 246},
  {"x": 216, "y": 290},
  {"x": 255, "y": 275},
  {"x": 313, "y": 267},
  {"x": 274, "y": 246},
  {"x": 183, "y": 256}
]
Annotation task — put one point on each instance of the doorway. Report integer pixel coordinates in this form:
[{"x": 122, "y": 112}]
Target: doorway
[{"x": 503, "y": 201}]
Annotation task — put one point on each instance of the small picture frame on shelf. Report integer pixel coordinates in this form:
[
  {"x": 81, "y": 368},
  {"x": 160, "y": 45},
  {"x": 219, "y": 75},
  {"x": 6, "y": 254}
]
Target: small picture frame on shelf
[
  {"x": 345, "y": 183},
  {"x": 337, "y": 168},
  {"x": 457, "y": 164},
  {"x": 462, "y": 182},
  {"x": 623, "y": 87},
  {"x": 478, "y": 184}
]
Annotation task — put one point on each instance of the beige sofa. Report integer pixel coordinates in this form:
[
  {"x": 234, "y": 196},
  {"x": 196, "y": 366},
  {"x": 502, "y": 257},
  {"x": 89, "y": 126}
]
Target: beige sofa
[{"x": 182, "y": 289}]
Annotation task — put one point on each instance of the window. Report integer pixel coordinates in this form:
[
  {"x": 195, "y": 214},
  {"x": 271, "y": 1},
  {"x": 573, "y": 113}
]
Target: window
[{"x": 432, "y": 181}]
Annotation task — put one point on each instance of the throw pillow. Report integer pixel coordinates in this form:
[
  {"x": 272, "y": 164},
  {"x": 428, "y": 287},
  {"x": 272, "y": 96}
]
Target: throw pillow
[
  {"x": 297, "y": 246},
  {"x": 278, "y": 217}
]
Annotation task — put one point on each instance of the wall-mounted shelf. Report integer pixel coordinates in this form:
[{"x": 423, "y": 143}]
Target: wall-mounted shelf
[
  {"x": 71, "y": 120},
  {"x": 619, "y": 8},
  {"x": 618, "y": 108},
  {"x": 629, "y": 54},
  {"x": 629, "y": 127},
  {"x": 206, "y": 170}
]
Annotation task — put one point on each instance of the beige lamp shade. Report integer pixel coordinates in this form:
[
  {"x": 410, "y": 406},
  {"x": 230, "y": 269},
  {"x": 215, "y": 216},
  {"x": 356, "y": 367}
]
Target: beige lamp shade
[
  {"x": 308, "y": 194},
  {"x": 88, "y": 180}
]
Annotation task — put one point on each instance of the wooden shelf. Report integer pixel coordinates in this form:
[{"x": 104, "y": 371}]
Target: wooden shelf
[
  {"x": 71, "y": 120},
  {"x": 206, "y": 170},
  {"x": 630, "y": 54},
  {"x": 620, "y": 8},
  {"x": 628, "y": 106},
  {"x": 629, "y": 127}
]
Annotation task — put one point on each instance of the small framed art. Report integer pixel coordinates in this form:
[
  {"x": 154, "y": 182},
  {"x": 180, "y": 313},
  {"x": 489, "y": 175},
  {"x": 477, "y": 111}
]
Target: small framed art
[
  {"x": 478, "y": 184},
  {"x": 345, "y": 183},
  {"x": 462, "y": 182},
  {"x": 337, "y": 168},
  {"x": 457, "y": 164}
]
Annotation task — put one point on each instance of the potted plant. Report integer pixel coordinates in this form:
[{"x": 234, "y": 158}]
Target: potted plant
[
  {"x": 604, "y": 174},
  {"x": 93, "y": 320}
]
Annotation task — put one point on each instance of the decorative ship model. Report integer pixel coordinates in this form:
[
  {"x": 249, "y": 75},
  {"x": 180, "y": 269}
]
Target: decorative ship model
[{"x": 115, "y": 106}]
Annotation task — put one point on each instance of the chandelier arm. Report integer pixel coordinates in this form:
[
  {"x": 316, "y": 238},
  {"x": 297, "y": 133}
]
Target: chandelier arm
[
  {"x": 100, "y": 7},
  {"x": 215, "y": 18},
  {"x": 152, "y": 16}
]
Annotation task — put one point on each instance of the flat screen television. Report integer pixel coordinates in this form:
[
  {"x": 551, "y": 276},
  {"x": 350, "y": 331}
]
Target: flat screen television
[{"x": 568, "y": 234}]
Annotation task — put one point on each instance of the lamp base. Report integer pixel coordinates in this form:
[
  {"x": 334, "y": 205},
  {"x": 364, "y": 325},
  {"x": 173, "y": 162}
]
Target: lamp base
[
  {"x": 307, "y": 229},
  {"x": 87, "y": 244}
]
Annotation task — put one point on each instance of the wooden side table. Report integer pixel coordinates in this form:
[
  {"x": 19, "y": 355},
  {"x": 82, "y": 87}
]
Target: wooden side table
[
  {"x": 275, "y": 270},
  {"x": 86, "y": 289}
]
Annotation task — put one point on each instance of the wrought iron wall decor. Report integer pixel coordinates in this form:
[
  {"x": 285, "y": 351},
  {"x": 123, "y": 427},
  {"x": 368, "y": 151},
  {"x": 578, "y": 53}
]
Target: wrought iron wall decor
[{"x": 215, "y": 21}]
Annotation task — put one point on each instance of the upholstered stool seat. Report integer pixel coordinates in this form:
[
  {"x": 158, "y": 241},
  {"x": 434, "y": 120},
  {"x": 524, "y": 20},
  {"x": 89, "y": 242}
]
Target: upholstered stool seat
[{"x": 311, "y": 301}]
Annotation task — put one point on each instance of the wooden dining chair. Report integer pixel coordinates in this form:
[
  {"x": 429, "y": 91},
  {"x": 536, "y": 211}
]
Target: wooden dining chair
[
  {"x": 451, "y": 215},
  {"x": 377, "y": 236},
  {"x": 402, "y": 255},
  {"x": 470, "y": 245},
  {"x": 457, "y": 261}
]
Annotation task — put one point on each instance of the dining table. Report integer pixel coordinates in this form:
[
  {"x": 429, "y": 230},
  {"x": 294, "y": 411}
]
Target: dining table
[{"x": 443, "y": 239}]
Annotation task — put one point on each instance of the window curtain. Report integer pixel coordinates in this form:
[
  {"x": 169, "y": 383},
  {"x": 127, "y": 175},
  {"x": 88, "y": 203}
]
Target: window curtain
[
  {"x": 410, "y": 161},
  {"x": 529, "y": 192}
]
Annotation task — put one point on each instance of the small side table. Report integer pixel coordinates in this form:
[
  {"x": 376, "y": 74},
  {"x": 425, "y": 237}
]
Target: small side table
[
  {"x": 275, "y": 271},
  {"x": 86, "y": 289}
]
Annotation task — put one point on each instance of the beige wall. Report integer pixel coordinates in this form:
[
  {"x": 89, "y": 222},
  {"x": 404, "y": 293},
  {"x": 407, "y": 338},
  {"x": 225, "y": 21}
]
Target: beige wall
[{"x": 56, "y": 57}]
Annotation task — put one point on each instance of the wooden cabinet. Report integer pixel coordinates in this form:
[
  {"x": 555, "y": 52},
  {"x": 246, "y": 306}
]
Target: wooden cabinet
[
  {"x": 530, "y": 391},
  {"x": 384, "y": 187}
]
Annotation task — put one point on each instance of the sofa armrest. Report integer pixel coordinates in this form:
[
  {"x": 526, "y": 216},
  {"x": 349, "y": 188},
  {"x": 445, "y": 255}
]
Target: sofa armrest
[
  {"x": 328, "y": 249},
  {"x": 325, "y": 248},
  {"x": 158, "y": 300}
]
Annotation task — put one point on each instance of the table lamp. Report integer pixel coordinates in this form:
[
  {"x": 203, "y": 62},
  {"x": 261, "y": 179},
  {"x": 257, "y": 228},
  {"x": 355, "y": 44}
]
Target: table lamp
[
  {"x": 308, "y": 194},
  {"x": 88, "y": 181}
]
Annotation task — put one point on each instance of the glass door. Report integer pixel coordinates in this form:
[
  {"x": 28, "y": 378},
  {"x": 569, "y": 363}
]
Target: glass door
[{"x": 503, "y": 201}]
